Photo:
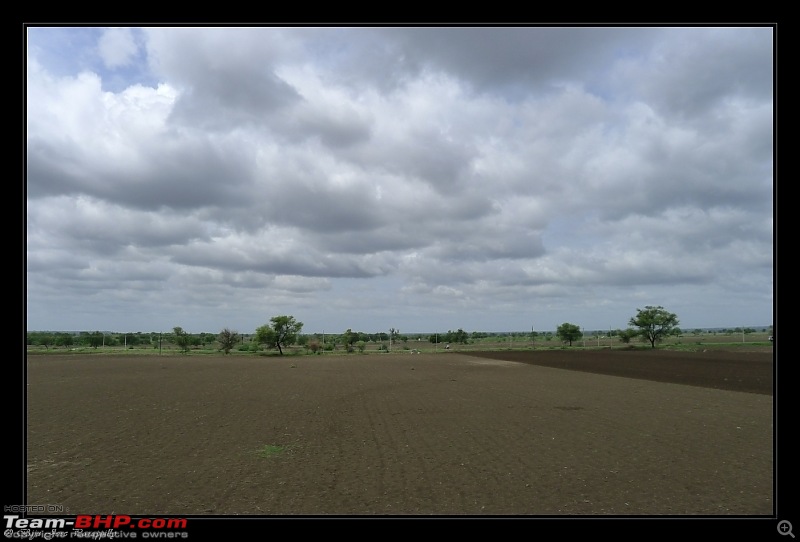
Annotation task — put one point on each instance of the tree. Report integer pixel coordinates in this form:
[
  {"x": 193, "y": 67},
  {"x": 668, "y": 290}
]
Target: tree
[
  {"x": 348, "y": 338},
  {"x": 459, "y": 336},
  {"x": 265, "y": 335},
  {"x": 46, "y": 340},
  {"x": 182, "y": 338},
  {"x": 64, "y": 339},
  {"x": 281, "y": 332},
  {"x": 227, "y": 340},
  {"x": 569, "y": 332},
  {"x": 627, "y": 335},
  {"x": 96, "y": 339},
  {"x": 654, "y": 323}
]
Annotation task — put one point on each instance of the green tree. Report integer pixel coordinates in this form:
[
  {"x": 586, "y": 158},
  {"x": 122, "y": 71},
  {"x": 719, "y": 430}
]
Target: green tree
[
  {"x": 46, "y": 340},
  {"x": 654, "y": 323},
  {"x": 282, "y": 331},
  {"x": 227, "y": 339},
  {"x": 96, "y": 339},
  {"x": 265, "y": 335},
  {"x": 182, "y": 338},
  {"x": 569, "y": 332},
  {"x": 459, "y": 336},
  {"x": 64, "y": 339},
  {"x": 348, "y": 338},
  {"x": 627, "y": 335}
]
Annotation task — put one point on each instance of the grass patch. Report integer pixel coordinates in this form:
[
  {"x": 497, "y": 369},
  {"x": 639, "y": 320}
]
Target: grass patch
[{"x": 270, "y": 450}]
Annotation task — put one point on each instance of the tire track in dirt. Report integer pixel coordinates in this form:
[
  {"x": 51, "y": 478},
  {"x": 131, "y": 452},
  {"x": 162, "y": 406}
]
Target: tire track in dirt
[{"x": 396, "y": 454}]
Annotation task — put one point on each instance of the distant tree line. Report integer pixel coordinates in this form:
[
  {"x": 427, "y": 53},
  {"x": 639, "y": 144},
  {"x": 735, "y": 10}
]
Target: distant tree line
[{"x": 651, "y": 325}]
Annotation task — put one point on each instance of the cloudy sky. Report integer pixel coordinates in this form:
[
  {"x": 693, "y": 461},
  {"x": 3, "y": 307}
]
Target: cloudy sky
[{"x": 425, "y": 179}]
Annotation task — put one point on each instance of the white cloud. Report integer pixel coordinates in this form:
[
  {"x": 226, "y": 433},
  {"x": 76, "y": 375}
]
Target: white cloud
[
  {"x": 117, "y": 47},
  {"x": 432, "y": 178}
]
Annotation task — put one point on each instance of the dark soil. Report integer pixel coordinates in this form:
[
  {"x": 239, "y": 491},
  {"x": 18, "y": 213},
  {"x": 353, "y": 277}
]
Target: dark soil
[
  {"x": 749, "y": 370},
  {"x": 533, "y": 433}
]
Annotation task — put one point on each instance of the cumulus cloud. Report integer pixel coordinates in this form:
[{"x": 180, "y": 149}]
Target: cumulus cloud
[
  {"x": 429, "y": 178},
  {"x": 117, "y": 47}
]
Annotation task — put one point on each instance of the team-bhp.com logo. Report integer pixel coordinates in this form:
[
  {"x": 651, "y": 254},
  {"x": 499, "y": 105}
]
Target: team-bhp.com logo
[{"x": 94, "y": 526}]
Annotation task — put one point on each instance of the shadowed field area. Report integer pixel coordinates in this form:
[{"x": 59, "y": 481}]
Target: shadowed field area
[
  {"x": 503, "y": 433},
  {"x": 749, "y": 370}
]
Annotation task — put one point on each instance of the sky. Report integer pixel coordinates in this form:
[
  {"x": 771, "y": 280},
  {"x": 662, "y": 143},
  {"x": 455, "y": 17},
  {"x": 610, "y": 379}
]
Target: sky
[{"x": 424, "y": 179}]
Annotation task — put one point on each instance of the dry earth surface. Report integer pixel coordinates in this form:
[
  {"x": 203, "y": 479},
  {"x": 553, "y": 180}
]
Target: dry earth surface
[{"x": 522, "y": 433}]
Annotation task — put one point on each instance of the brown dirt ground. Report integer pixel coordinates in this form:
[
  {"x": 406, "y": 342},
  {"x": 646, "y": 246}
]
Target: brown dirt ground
[{"x": 520, "y": 433}]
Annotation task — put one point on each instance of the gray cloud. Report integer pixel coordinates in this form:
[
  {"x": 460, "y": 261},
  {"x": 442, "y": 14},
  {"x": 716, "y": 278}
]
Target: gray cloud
[{"x": 427, "y": 177}]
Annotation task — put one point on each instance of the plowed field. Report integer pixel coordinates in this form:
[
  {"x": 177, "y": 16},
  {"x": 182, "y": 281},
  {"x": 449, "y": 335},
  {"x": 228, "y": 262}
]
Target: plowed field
[{"x": 506, "y": 433}]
